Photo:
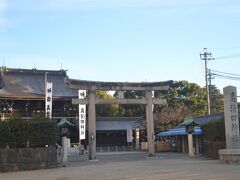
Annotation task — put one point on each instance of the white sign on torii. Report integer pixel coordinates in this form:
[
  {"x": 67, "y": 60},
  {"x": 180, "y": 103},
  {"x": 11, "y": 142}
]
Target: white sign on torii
[{"x": 82, "y": 116}]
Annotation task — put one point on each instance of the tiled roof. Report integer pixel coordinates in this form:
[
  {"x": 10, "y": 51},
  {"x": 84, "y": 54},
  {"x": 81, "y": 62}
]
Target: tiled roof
[
  {"x": 119, "y": 123},
  {"x": 30, "y": 84}
]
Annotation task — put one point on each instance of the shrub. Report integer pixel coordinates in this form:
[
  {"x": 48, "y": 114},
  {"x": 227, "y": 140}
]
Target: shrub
[
  {"x": 16, "y": 132},
  {"x": 214, "y": 131}
]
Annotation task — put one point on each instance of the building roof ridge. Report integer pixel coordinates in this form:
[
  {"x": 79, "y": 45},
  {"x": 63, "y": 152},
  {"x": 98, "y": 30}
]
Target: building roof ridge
[{"x": 5, "y": 69}]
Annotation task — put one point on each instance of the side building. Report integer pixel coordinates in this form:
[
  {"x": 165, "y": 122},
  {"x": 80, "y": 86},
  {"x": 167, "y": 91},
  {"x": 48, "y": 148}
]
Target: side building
[{"x": 22, "y": 92}]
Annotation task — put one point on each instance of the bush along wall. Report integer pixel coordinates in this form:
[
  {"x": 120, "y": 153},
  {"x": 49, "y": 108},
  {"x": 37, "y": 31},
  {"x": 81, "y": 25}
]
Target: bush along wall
[
  {"x": 214, "y": 131},
  {"x": 34, "y": 132},
  {"x": 213, "y": 138}
]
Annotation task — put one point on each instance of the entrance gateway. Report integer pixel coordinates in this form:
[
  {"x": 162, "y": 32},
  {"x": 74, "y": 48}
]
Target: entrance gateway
[{"x": 92, "y": 86}]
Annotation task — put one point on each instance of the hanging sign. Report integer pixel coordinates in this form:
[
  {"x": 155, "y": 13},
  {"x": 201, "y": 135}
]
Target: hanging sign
[
  {"x": 129, "y": 135},
  {"x": 82, "y": 115},
  {"x": 48, "y": 100}
]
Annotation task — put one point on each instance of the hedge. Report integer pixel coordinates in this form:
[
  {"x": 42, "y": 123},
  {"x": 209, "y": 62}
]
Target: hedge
[
  {"x": 214, "y": 131},
  {"x": 20, "y": 133}
]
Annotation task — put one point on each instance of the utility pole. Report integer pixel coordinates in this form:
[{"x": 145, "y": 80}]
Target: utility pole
[
  {"x": 206, "y": 56},
  {"x": 210, "y": 90}
]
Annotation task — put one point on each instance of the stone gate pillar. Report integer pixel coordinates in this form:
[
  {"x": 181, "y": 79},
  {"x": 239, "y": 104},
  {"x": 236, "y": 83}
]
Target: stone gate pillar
[
  {"x": 137, "y": 138},
  {"x": 232, "y": 152},
  {"x": 92, "y": 125},
  {"x": 190, "y": 145},
  {"x": 231, "y": 117},
  {"x": 150, "y": 125}
]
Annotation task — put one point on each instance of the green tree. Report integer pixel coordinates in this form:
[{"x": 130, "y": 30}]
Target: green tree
[
  {"x": 185, "y": 99},
  {"x": 217, "y": 99},
  {"x": 108, "y": 110},
  {"x": 132, "y": 110},
  {"x": 183, "y": 93}
]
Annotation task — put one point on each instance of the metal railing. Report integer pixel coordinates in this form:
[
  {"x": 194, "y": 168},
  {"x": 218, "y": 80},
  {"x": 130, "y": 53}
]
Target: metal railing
[{"x": 114, "y": 148}]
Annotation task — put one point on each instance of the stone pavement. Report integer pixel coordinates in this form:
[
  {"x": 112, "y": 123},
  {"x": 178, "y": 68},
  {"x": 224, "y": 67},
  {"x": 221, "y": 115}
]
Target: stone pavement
[{"x": 134, "y": 166}]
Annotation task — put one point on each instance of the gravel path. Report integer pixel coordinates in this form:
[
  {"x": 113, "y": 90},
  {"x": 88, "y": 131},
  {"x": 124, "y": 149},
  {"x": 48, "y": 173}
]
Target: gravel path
[{"x": 134, "y": 166}]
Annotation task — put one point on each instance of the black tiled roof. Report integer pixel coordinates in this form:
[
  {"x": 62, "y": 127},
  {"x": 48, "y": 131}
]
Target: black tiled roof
[{"x": 30, "y": 84}]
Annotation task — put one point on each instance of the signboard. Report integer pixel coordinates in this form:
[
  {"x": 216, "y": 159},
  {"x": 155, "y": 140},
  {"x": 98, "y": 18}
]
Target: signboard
[
  {"x": 48, "y": 100},
  {"x": 129, "y": 135},
  {"x": 82, "y": 115}
]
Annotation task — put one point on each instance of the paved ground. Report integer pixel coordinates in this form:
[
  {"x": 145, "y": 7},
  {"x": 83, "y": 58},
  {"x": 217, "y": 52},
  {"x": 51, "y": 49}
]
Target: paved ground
[{"x": 134, "y": 166}]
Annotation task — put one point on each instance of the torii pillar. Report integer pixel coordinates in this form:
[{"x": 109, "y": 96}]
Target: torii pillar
[
  {"x": 92, "y": 125},
  {"x": 150, "y": 124}
]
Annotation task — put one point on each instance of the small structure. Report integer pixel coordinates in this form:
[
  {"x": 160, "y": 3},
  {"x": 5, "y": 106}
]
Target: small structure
[
  {"x": 231, "y": 155},
  {"x": 189, "y": 124},
  {"x": 189, "y": 128},
  {"x": 180, "y": 132},
  {"x": 64, "y": 124}
]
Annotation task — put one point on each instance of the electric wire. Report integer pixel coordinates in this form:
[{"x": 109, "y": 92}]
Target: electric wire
[
  {"x": 224, "y": 73},
  {"x": 225, "y": 77}
]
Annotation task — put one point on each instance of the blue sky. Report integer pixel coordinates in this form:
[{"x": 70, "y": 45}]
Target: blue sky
[{"x": 127, "y": 40}]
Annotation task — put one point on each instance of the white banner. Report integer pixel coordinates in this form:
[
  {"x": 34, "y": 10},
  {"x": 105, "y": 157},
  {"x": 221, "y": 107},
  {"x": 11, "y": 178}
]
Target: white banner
[
  {"x": 153, "y": 98},
  {"x": 129, "y": 135},
  {"x": 48, "y": 100},
  {"x": 82, "y": 115}
]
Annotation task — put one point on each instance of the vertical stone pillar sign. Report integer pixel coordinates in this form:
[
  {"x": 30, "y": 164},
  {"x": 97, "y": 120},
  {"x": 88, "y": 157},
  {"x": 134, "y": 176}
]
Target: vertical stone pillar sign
[
  {"x": 231, "y": 117},
  {"x": 232, "y": 152}
]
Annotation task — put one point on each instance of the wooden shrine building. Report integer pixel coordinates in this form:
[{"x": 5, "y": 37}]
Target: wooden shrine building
[{"x": 22, "y": 91}]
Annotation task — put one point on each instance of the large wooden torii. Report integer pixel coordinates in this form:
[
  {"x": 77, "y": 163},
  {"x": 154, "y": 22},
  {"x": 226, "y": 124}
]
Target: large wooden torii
[{"x": 148, "y": 100}]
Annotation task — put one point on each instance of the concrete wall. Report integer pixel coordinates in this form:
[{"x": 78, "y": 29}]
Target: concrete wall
[{"x": 27, "y": 159}]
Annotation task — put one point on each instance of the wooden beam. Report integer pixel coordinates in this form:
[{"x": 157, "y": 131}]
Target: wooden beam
[{"x": 119, "y": 101}]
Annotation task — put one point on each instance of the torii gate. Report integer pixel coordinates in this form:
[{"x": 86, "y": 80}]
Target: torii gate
[{"x": 92, "y": 86}]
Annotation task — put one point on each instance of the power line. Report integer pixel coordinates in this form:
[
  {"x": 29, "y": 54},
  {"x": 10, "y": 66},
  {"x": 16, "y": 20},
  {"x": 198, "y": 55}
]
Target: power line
[
  {"x": 225, "y": 73},
  {"x": 226, "y": 77}
]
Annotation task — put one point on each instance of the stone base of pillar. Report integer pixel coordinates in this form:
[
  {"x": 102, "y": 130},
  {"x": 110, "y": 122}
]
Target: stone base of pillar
[{"x": 229, "y": 156}]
